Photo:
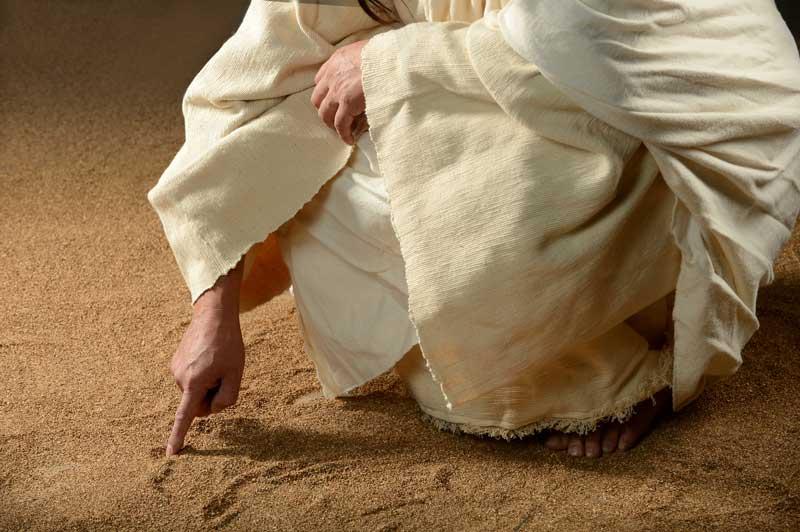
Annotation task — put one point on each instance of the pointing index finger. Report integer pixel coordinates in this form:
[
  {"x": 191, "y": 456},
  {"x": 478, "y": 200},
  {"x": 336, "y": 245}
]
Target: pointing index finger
[{"x": 183, "y": 420}]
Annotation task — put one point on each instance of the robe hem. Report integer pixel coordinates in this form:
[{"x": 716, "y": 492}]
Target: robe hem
[{"x": 620, "y": 411}]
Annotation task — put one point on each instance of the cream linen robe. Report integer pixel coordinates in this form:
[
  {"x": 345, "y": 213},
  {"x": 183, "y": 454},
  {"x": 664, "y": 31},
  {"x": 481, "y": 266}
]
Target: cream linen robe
[
  {"x": 712, "y": 88},
  {"x": 348, "y": 282},
  {"x": 504, "y": 192}
]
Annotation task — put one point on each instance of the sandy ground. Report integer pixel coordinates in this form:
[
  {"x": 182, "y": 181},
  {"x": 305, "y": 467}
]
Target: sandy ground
[{"x": 92, "y": 306}]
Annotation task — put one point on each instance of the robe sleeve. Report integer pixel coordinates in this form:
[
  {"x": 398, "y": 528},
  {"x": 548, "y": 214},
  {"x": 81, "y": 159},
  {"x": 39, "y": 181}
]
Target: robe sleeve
[
  {"x": 255, "y": 149},
  {"x": 713, "y": 90}
]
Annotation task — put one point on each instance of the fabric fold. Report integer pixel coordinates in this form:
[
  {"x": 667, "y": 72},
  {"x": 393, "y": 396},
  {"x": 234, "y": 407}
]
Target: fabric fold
[
  {"x": 532, "y": 153},
  {"x": 255, "y": 149},
  {"x": 525, "y": 223},
  {"x": 713, "y": 90}
]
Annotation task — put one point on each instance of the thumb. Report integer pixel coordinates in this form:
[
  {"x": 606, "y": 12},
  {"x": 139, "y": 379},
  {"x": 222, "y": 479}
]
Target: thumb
[{"x": 227, "y": 394}]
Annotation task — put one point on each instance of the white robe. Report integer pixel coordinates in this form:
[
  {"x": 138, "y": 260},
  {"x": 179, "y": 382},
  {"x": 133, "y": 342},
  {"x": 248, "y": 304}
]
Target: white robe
[
  {"x": 348, "y": 282},
  {"x": 530, "y": 215}
]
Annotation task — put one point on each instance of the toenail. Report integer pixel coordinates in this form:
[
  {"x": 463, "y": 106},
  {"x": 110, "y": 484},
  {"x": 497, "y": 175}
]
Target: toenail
[
  {"x": 574, "y": 450},
  {"x": 608, "y": 447}
]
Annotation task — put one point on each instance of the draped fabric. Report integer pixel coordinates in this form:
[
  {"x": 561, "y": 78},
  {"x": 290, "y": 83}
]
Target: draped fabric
[
  {"x": 249, "y": 123},
  {"x": 529, "y": 218},
  {"x": 712, "y": 88},
  {"x": 526, "y": 225}
]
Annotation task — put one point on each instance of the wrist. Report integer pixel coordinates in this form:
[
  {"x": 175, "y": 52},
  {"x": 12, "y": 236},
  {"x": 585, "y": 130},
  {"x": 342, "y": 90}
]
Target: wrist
[{"x": 223, "y": 297}]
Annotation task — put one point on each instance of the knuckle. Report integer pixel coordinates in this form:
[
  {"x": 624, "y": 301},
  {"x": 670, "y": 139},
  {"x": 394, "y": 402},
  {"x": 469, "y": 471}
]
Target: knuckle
[
  {"x": 349, "y": 99},
  {"x": 190, "y": 382}
]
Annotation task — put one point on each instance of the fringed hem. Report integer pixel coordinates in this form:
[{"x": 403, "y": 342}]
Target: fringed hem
[{"x": 621, "y": 411}]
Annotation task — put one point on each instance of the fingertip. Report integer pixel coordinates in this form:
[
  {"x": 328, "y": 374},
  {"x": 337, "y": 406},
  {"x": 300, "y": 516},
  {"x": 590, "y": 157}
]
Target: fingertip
[{"x": 174, "y": 445}]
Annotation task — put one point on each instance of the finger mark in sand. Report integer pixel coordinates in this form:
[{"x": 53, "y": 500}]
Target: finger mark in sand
[
  {"x": 225, "y": 519},
  {"x": 524, "y": 520},
  {"x": 163, "y": 472},
  {"x": 224, "y": 505},
  {"x": 222, "y": 502}
]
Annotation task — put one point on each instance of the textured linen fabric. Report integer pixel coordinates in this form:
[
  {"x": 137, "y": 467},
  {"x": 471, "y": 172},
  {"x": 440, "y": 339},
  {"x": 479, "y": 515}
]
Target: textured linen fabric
[
  {"x": 526, "y": 224},
  {"x": 713, "y": 90},
  {"x": 249, "y": 120},
  {"x": 349, "y": 286}
]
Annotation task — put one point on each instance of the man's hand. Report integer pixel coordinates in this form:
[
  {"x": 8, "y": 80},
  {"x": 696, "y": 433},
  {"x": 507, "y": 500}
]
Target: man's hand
[
  {"x": 339, "y": 94},
  {"x": 209, "y": 362}
]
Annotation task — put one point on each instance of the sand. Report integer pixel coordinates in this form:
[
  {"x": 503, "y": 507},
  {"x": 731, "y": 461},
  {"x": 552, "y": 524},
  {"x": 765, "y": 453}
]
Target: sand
[{"x": 92, "y": 307}]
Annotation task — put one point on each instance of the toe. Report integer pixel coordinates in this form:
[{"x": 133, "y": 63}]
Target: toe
[
  {"x": 592, "y": 443},
  {"x": 611, "y": 438},
  {"x": 575, "y": 446},
  {"x": 557, "y": 441},
  {"x": 633, "y": 430},
  {"x": 628, "y": 437}
]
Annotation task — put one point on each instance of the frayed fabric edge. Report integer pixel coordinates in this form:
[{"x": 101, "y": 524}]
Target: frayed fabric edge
[
  {"x": 621, "y": 411},
  {"x": 369, "y": 80}
]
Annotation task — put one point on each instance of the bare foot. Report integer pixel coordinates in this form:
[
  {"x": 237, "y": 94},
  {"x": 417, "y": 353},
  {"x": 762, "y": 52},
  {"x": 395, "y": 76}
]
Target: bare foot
[{"x": 612, "y": 436}]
